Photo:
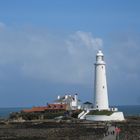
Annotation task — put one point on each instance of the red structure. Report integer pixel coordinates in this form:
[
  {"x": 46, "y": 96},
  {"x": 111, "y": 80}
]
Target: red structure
[{"x": 50, "y": 107}]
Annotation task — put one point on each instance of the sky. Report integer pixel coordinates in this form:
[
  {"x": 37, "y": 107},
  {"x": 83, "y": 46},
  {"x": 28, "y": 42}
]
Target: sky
[{"x": 48, "y": 48}]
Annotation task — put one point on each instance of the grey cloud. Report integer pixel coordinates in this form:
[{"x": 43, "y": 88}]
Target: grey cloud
[
  {"x": 123, "y": 69},
  {"x": 40, "y": 55},
  {"x": 83, "y": 39}
]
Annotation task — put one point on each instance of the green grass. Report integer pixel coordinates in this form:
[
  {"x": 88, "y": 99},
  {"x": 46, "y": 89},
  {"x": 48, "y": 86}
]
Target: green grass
[{"x": 102, "y": 112}]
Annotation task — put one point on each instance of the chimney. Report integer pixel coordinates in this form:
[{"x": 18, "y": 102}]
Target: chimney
[{"x": 58, "y": 97}]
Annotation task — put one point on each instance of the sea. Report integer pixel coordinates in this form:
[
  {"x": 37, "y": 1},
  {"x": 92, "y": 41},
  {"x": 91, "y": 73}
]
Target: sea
[{"x": 128, "y": 110}]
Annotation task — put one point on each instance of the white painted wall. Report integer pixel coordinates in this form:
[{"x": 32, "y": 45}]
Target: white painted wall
[
  {"x": 75, "y": 101},
  {"x": 116, "y": 116}
]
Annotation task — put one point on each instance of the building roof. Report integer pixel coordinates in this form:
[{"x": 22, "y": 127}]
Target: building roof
[
  {"x": 35, "y": 109},
  {"x": 89, "y": 103},
  {"x": 49, "y": 107},
  {"x": 56, "y": 106}
]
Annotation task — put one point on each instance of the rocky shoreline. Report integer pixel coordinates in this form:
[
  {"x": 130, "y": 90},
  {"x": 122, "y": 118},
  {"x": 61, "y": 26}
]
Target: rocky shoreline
[
  {"x": 130, "y": 129},
  {"x": 50, "y": 130},
  {"x": 67, "y": 129}
]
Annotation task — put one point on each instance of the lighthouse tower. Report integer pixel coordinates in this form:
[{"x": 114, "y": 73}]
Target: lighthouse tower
[
  {"x": 100, "y": 84},
  {"x": 101, "y": 96}
]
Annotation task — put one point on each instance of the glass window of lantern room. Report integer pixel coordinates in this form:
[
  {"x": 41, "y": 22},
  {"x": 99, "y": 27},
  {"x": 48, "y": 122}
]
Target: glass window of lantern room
[
  {"x": 96, "y": 58},
  {"x": 102, "y": 58}
]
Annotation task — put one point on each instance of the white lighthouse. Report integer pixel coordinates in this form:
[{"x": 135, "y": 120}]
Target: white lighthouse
[
  {"x": 101, "y": 110},
  {"x": 101, "y": 105},
  {"x": 100, "y": 84}
]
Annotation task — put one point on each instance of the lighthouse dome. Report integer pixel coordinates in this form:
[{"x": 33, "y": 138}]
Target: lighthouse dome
[{"x": 99, "y": 53}]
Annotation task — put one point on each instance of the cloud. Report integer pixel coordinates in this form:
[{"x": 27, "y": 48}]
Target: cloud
[
  {"x": 69, "y": 62},
  {"x": 40, "y": 55},
  {"x": 83, "y": 39},
  {"x": 35, "y": 54},
  {"x": 123, "y": 67},
  {"x": 2, "y": 25}
]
